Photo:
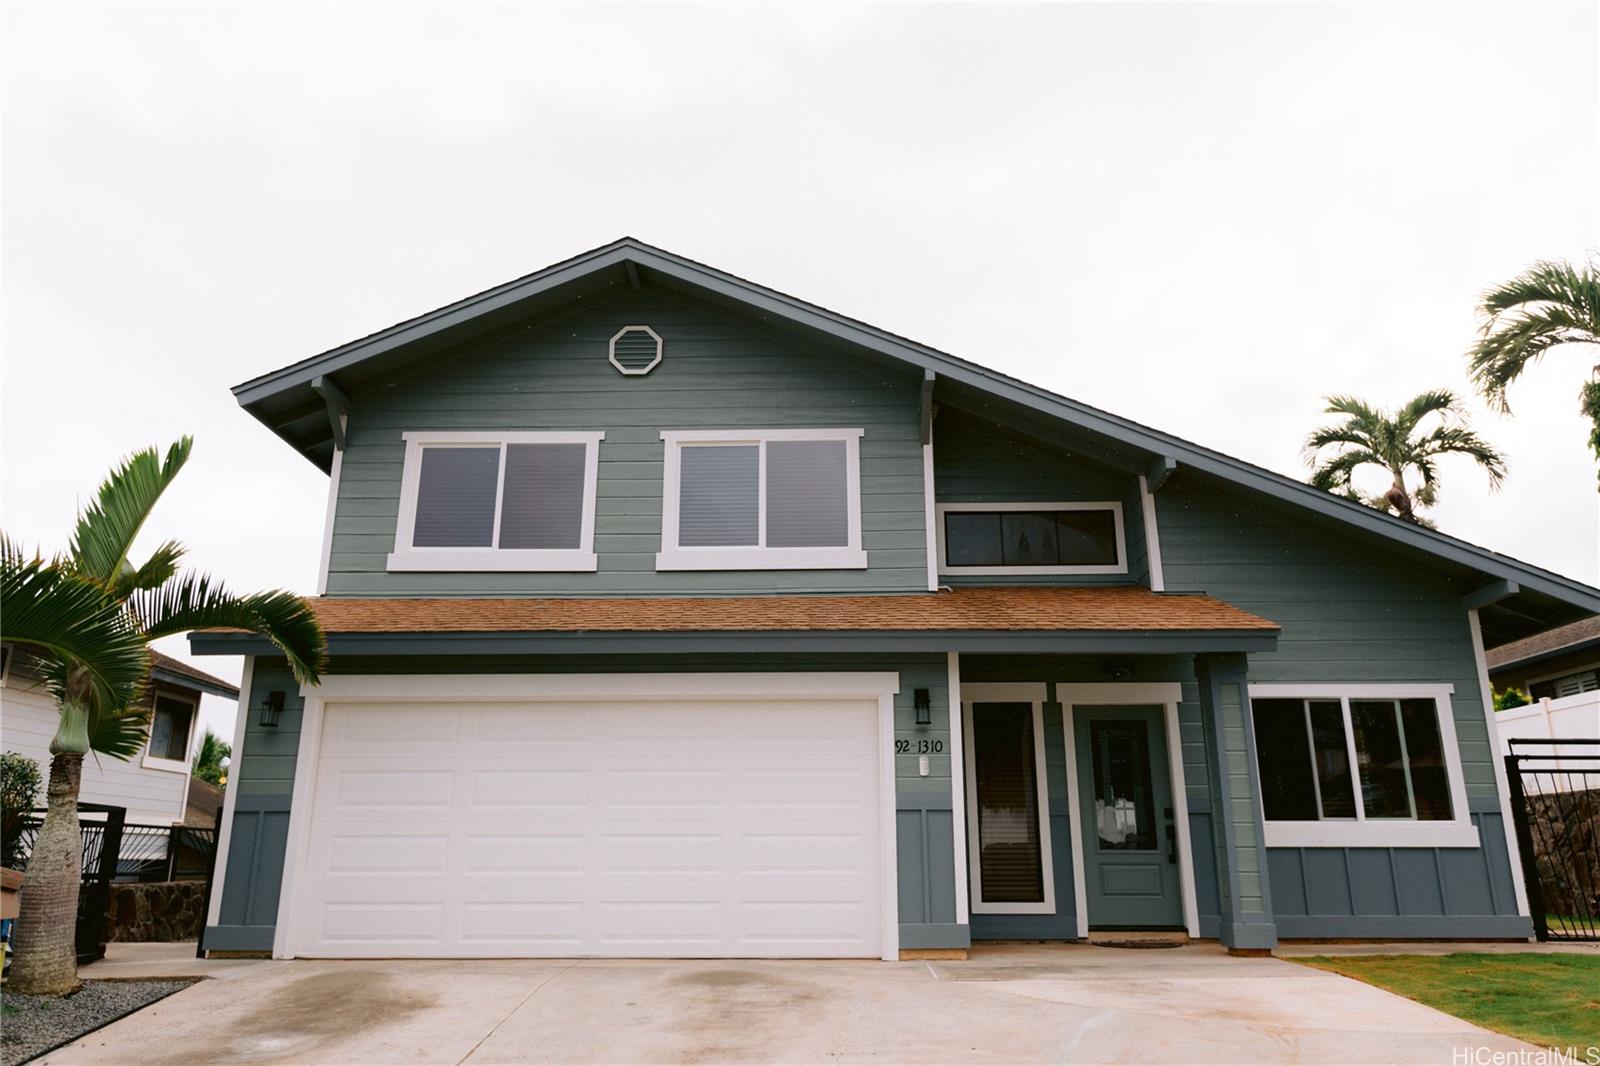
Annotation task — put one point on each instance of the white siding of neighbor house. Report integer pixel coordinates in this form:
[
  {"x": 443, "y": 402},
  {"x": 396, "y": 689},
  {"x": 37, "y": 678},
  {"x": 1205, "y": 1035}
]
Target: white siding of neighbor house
[{"x": 153, "y": 797}]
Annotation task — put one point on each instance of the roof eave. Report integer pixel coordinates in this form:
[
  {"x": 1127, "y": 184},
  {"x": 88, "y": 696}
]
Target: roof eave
[{"x": 612, "y": 642}]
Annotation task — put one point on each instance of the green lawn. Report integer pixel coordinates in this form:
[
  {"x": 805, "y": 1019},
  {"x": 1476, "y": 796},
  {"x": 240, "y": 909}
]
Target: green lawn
[{"x": 1548, "y": 1000}]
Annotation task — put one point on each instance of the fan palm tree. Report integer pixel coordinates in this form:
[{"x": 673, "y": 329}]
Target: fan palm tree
[
  {"x": 1398, "y": 444},
  {"x": 1546, "y": 306},
  {"x": 99, "y": 684}
]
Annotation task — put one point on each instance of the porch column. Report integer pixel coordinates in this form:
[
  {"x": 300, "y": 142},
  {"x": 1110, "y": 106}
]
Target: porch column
[{"x": 1247, "y": 924}]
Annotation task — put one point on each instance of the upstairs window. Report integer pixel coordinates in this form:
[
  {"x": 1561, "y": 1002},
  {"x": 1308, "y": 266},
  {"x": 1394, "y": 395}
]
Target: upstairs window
[
  {"x": 1031, "y": 539},
  {"x": 785, "y": 499},
  {"x": 497, "y": 501},
  {"x": 171, "y": 718},
  {"x": 1363, "y": 765}
]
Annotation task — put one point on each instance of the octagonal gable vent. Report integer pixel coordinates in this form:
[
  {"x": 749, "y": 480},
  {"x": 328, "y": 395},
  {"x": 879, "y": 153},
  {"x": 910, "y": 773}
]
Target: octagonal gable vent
[{"x": 636, "y": 350}]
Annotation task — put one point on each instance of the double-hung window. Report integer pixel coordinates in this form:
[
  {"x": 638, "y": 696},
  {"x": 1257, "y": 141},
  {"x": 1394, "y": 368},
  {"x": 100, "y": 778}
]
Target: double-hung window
[
  {"x": 779, "y": 499},
  {"x": 1031, "y": 539},
  {"x": 1359, "y": 765},
  {"x": 497, "y": 501}
]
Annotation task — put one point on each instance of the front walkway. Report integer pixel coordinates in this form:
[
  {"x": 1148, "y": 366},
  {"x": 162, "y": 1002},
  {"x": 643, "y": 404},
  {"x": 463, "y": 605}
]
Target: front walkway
[{"x": 1036, "y": 1003}]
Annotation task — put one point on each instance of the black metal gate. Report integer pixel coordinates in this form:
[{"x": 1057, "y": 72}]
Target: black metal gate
[
  {"x": 1555, "y": 805},
  {"x": 101, "y": 839}
]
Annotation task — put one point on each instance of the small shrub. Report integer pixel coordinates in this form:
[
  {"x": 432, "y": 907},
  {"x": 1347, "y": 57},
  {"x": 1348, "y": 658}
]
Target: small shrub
[
  {"x": 19, "y": 795},
  {"x": 1511, "y": 697}
]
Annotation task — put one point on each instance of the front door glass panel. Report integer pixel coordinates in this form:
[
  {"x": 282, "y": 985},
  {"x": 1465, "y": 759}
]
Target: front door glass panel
[{"x": 1124, "y": 810}]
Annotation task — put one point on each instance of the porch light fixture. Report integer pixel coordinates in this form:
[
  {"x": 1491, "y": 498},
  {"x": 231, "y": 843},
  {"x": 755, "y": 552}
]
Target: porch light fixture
[
  {"x": 924, "y": 705},
  {"x": 271, "y": 709}
]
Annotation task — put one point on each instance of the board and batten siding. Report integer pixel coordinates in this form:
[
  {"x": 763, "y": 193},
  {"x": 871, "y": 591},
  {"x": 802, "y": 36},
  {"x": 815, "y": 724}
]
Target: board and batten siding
[
  {"x": 977, "y": 461},
  {"x": 719, "y": 371},
  {"x": 1349, "y": 614},
  {"x": 923, "y": 816}
]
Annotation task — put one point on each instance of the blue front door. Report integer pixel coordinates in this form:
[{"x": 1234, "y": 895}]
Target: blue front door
[{"x": 1130, "y": 846}]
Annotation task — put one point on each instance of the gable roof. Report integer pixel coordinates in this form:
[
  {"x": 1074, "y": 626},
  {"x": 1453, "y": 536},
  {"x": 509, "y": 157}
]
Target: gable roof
[
  {"x": 176, "y": 672},
  {"x": 296, "y": 402},
  {"x": 1582, "y": 635}
]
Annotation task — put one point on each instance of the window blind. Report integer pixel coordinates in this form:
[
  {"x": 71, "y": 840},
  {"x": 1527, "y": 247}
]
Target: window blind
[
  {"x": 719, "y": 496},
  {"x": 456, "y": 490},
  {"x": 542, "y": 503},
  {"x": 807, "y": 499}
]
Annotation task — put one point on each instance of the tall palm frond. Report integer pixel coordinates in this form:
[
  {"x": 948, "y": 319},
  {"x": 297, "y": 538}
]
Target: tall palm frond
[
  {"x": 48, "y": 607},
  {"x": 161, "y": 567},
  {"x": 194, "y": 601},
  {"x": 1546, "y": 306},
  {"x": 107, "y": 527}
]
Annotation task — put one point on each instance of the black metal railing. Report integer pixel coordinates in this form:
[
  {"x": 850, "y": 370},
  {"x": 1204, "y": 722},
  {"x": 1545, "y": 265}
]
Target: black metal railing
[
  {"x": 1555, "y": 806},
  {"x": 144, "y": 852}
]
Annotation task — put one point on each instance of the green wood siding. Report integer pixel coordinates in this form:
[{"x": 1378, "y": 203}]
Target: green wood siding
[
  {"x": 1350, "y": 613},
  {"x": 978, "y": 461},
  {"x": 720, "y": 371}
]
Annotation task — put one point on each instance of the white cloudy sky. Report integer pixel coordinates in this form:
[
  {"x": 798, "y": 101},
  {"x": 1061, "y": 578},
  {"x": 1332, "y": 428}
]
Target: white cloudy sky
[{"x": 1203, "y": 217}]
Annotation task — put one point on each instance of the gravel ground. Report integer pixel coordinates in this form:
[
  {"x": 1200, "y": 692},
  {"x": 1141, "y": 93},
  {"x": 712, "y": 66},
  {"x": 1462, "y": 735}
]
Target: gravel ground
[{"x": 32, "y": 1025}]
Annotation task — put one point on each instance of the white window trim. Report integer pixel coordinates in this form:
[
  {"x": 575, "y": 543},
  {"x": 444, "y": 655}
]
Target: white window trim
[
  {"x": 408, "y": 557},
  {"x": 1115, "y": 507},
  {"x": 674, "y": 557},
  {"x": 1361, "y": 831},
  {"x": 173, "y": 766},
  {"x": 382, "y": 689},
  {"x": 1010, "y": 692}
]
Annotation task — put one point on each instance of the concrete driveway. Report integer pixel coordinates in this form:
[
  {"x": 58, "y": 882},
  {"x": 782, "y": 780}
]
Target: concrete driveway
[{"x": 1055, "y": 1003}]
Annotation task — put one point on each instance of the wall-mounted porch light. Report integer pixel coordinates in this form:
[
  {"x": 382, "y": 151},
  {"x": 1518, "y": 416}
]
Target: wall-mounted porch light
[
  {"x": 271, "y": 709},
  {"x": 924, "y": 705}
]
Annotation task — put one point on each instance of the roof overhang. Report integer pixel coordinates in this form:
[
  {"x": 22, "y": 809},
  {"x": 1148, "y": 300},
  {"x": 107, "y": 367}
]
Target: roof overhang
[
  {"x": 972, "y": 642},
  {"x": 193, "y": 684},
  {"x": 294, "y": 402}
]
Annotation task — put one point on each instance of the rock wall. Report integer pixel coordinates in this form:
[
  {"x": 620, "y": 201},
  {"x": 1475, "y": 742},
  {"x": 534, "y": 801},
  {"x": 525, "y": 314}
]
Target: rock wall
[
  {"x": 160, "y": 911},
  {"x": 1565, "y": 827}
]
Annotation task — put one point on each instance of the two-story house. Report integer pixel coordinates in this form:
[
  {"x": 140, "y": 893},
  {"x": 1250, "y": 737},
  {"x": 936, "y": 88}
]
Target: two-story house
[{"x": 670, "y": 615}]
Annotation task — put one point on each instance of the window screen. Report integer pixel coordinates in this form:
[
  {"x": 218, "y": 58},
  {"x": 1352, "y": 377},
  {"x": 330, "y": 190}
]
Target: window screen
[
  {"x": 719, "y": 496},
  {"x": 542, "y": 506},
  {"x": 1010, "y": 865},
  {"x": 456, "y": 489},
  {"x": 1031, "y": 538},
  {"x": 807, "y": 494},
  {"x": 169, "y": 729}
]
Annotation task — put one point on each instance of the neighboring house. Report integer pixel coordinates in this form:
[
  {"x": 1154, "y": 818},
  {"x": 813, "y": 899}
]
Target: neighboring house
[
  {"x": 670, "y": 615},
  {"x": 1551, "y": 665},
  {"x": 154, "y": 785}
]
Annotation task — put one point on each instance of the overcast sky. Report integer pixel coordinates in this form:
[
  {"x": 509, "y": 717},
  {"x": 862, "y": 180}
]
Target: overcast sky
[{"x": 1202, "y": 217}]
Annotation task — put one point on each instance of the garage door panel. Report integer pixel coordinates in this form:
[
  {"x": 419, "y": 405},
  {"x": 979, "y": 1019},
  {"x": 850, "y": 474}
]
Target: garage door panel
[
  {"x": 527, "y": 788},
  {"x": 730, "y": 828}
]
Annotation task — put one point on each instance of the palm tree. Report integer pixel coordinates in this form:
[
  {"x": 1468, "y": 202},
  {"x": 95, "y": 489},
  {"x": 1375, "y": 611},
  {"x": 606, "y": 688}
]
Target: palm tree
[
  {"x": 100, "y": 690},
  {"x": 207, "y": 764},
  {"x": 1398, "y": 444},
  {"x": 1548, "y": 305}
]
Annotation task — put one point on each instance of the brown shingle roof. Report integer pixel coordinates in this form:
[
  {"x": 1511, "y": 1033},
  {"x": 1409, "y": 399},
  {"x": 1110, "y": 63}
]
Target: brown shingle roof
[
  {"x": 1117, "y": 608},
  {"x": 183, "y": 669},
  {"x": 1579, "y": 632}
]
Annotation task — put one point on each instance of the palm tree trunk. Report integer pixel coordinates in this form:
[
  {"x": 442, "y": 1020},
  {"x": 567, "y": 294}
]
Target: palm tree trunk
[
  {"x": 1400, "y": 499},
  {"x": 46, "y": 962}
]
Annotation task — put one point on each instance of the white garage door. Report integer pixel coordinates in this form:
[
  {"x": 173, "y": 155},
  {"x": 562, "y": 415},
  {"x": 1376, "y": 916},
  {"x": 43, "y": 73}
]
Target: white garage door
[{"x": 629, "y": 827}]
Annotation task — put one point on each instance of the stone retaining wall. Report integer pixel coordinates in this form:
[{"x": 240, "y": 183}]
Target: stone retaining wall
[{"x": 160, "y": 911}]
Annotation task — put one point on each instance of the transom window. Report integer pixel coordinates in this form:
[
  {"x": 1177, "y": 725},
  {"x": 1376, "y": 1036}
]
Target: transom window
[
  {"x": 497, "y": 501},
  {"x": 1031, "y": 538},
  {"x": 1363, "y": 765},
  {"x": 171, "y": 718},
  {"x": 770, "y": 499}
]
